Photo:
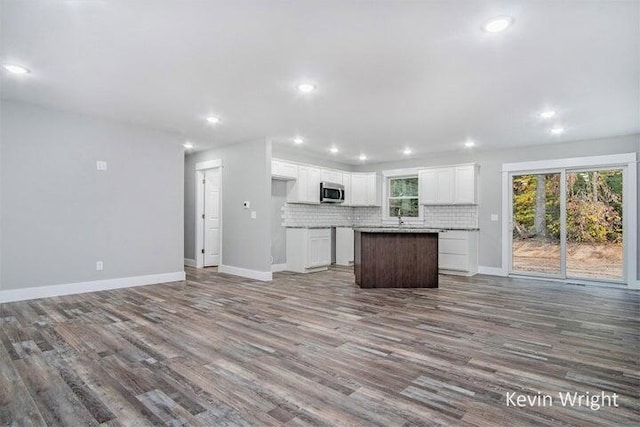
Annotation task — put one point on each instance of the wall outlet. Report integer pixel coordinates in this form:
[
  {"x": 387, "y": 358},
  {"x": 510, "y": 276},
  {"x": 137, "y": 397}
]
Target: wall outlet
[
  {"x": 253, "y": 215},
  {"x": 246, "y": 204},
  {"x": 494, "y": 217},
  {"x": 99, "y": 266},
  {"x": 101, "y": 165}
]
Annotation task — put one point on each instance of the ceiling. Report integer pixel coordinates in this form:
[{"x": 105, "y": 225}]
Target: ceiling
[{"x": 389, "y": 74}]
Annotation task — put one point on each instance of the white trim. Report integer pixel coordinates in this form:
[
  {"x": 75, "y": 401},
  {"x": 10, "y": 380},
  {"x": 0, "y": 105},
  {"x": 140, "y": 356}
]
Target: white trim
[
  {"x": 209, "y": 164},
  {"x": 265, "y": 276},
  {"x": 199, "y": 240},
  {"x": 401, "y": 172},
  {"x": 492, "y": 271},
  {"x": 92, "y": 286},
  {"x": 626, "y": 161},
  {"x": 573, "y": 162},
  {"x": 278, "y": 267},
  {"x": 190, "y": 262},
  {"x": 634, "y": 285}
]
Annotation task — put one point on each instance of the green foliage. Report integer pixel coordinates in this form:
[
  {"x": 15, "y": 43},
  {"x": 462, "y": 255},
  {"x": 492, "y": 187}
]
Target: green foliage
[
  {"x": 594, "y": 205},
  {"x": 403, "y": 197}
]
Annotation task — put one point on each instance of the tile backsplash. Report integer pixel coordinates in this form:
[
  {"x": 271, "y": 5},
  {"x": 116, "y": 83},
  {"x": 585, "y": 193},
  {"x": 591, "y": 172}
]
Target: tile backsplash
[
  {"x": 463, "y": 216},
  {"x": 300, "y": 215}
]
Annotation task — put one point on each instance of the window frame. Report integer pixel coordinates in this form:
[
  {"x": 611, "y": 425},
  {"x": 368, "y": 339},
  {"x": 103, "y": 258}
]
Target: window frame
[{"x": 395, "y": 174}]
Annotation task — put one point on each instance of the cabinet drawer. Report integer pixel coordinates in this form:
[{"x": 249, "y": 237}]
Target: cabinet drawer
[
  {"x": 454, "y": 234},
  {"x": 319, "y": 232},
  {"x": 453, "y": 246},
  {"x": 453, "y": 262}
]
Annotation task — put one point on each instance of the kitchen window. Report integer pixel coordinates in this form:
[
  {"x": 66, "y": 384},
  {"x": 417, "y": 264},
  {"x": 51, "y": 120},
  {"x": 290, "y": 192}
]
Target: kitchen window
[{"x": 403, "y": 197}]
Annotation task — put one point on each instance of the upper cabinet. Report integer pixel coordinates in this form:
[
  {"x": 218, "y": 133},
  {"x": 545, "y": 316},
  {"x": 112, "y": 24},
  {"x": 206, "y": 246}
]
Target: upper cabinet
[
  {"x": 306, "y": 189},
  {"x": 283, "y": 170},
  {"x": 303, "y": 183},
  {"x": 365, "y": 189},
  {"x": 330, "y": 175},
  {"x": 452, "y": 185}
]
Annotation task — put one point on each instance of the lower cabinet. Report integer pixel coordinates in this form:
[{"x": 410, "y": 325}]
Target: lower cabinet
[
  {"x": 344, "y": 246},
  {"x": 308, "y": 249},
  {"x": 458, "y": 252}
]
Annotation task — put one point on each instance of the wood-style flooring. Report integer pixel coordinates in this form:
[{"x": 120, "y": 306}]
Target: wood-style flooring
[{"x": 315, "y": 350}]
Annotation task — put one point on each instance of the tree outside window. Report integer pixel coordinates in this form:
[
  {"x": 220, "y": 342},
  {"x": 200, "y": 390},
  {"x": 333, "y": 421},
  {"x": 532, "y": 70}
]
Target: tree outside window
[{"x": 403, "y": 197}]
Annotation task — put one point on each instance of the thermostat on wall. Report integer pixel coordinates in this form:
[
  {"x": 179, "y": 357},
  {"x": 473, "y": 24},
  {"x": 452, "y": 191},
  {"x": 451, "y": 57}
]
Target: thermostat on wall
[{"x": 246, "y": 204}]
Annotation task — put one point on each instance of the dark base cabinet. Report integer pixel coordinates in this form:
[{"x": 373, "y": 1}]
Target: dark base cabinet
[{"x": 396, "y": 259}]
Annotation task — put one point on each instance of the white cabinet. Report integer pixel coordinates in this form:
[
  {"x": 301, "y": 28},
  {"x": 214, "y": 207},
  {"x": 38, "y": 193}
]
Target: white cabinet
[
  {"x": 308, "y": 249},
  {"x": 454, "y": 185},
  {"x": 344, "y": 246},
  {"x": 466, "y": 185},
  {"x": 306, "y": 189},
  {"x": 283, "y": 170},
  {"x": 330, "y": 175},
  {"x": 458, "y": 252},
  {"x": 346, "y": 181},
  {"x": 365, "y": 189}
]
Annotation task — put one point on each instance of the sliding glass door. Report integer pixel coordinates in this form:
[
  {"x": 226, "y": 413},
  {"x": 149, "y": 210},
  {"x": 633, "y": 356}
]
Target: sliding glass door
[
  {"x": 568, "y": 224},
  {"x": 594, "y": 224},
  {"x": 536, "y": 244}
]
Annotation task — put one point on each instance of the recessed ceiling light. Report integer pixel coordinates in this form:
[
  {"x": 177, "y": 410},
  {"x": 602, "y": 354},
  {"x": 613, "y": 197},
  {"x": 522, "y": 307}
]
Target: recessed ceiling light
[
  {"x": 498, "y": 24},
  {"x": 306, "y": 87},
  {"x": 334, "y": 150},
  {"x": 363, "y": 157},
  {"x": 547, "y": 114},
  {"x": 213, "y": 120},
  {"x": 298, "y": 140},
  {"x": 407, "y": 151},
  {"x": 557, "y": 131},
  {"x": 15, "y": 69},
  {"x": 188, "y": 145},
  {"x": 469, "y": 144}
]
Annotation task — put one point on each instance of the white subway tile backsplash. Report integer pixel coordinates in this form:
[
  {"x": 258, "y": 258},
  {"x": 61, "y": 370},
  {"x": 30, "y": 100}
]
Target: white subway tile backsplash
[{"x": 299, "y": 215}]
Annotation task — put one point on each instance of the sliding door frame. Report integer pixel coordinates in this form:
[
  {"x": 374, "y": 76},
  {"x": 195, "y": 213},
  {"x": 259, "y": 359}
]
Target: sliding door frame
[{"x": 627, "y": 162}]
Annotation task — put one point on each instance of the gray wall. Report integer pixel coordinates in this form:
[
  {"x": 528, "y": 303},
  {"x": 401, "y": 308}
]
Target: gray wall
[
  {"x": 246, "y": 175},
  {"x": 278, "y": 232},
  {"x": 491, "y": 179},
  {"x": 60, "y": 215}
]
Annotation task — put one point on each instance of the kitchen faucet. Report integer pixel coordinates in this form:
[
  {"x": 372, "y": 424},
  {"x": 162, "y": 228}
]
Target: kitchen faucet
[{"x": 400, "y": 221}]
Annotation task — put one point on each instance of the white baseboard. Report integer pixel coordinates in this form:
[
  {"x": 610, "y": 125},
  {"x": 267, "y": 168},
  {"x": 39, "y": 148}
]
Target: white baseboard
[
  {"x": 634, "y": 284},
  {"x": 492, "y": 271},
  {"x": 265, "y": 276},
  {"x": 11, "y": 295},
  {"x": 278, "y": 267},
  {"x": 190, "y": 262}
]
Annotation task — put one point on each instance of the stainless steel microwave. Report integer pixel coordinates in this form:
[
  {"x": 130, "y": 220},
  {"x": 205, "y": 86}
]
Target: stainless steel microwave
[{"x": 331, "y": 192}]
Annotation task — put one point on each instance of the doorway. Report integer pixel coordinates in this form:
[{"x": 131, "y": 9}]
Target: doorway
[
  {"x": 208, "y": 214},
  {"x": 572, "y": 223}
]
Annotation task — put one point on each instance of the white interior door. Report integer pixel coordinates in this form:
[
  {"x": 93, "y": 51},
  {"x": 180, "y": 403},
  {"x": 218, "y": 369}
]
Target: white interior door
[{"x": 211, "y": 217}]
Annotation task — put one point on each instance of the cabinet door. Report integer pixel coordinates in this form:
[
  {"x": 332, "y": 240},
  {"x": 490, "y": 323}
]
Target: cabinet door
[
  {"x": 346, "y": 181},
  {"x": 465, "y": 185},
  {"x": 302, "y": 184},
  {"x": 313, "y": 186},
  {"x": 282, "y": 169},
  {"x": 358, "y": 190},
  {"x": 444, "y": 186},
  {"x": 319, "y": 251},
  {"x": 333, "y": 176},
  {"x": 371, "y": 189},
  {"x": 427, "y": 183}
]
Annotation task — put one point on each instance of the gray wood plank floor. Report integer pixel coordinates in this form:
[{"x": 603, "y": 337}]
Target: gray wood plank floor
[{"x": 314, "y": 349}]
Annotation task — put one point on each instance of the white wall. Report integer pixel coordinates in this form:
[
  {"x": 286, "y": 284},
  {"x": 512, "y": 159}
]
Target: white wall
[
  {"x": 246, "y": 175},
  {"x": 278, "y": 231},
  {"x": 490, "y": 238},
  {"x": 60, "y": 215}
]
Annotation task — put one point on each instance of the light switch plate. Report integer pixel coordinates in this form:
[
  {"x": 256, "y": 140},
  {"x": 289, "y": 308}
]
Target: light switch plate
[
  {"x": 494, "y": 217},
  {"x": 99, "y": 266},
  {"x": 253, "y": 215},
  {"x": 101, "y": 165}
]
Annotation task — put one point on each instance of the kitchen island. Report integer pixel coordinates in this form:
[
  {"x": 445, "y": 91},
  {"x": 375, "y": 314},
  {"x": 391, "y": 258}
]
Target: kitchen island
[{"x": 400, "y": 257}]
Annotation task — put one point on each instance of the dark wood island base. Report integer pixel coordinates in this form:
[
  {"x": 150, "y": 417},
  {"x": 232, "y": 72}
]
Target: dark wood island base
[{"x": 396, "y": 258}]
